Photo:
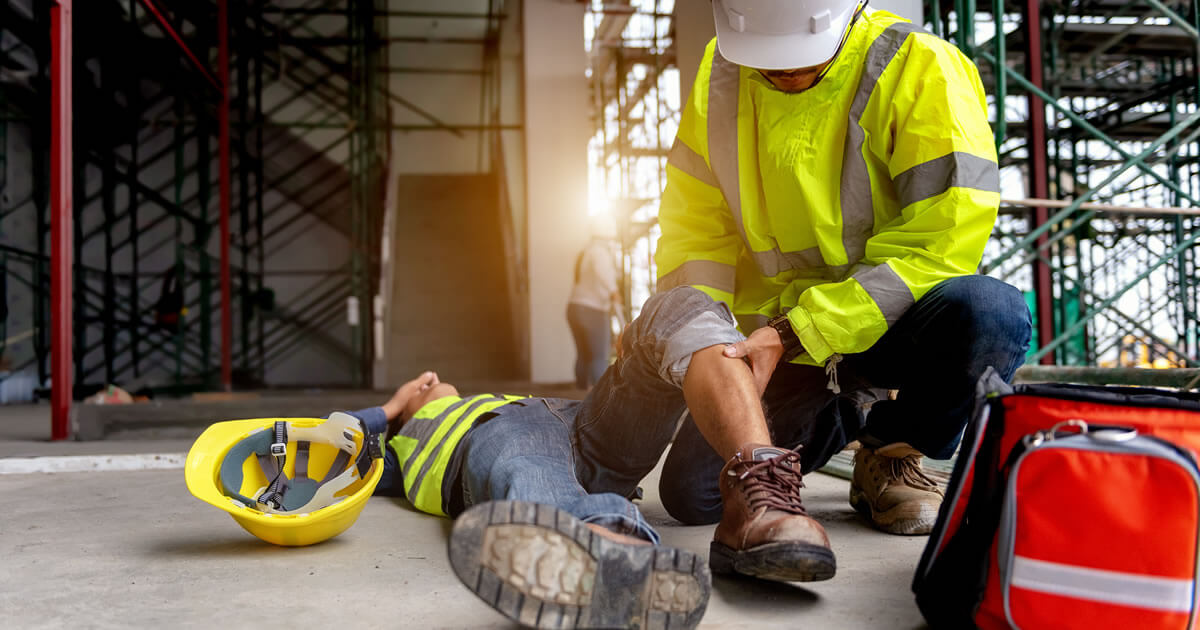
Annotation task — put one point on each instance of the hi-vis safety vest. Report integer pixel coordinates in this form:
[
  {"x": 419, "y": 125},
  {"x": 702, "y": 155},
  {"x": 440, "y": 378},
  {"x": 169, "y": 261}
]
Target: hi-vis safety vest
[
  {"x": 841, "y": 205},
  {"x": 427, "y": 444}
]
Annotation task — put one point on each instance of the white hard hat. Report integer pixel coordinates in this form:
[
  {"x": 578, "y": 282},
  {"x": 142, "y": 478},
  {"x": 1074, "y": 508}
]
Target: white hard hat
[{"x": 781, "y": 34}]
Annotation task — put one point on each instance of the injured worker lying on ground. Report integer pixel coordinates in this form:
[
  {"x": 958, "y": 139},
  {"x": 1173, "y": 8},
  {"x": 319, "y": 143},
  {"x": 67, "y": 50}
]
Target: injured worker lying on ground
[
  {"x": 541, "y": 487},
  {"x": 539, "y": 534}
]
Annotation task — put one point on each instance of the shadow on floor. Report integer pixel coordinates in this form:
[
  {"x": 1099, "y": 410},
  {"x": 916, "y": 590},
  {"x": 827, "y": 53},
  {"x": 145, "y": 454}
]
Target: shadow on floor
[
  {"x": 241, "y": 546},
  {"x": 752, "y": 594}
]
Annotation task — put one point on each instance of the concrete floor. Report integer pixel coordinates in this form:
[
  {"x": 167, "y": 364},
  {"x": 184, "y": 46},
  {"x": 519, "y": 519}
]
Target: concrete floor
[
  {"x": 25, "y": 432},
  {"x": 135, "y": 549}
]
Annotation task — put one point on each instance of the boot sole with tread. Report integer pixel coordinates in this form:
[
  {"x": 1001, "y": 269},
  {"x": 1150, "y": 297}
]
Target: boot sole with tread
[{"x": 543, "y": 568}]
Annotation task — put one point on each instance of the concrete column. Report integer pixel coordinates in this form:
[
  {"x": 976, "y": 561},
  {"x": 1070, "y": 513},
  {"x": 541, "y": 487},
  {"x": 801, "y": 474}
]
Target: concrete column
[
  {"x": 557, "y": 128},
  {"x": 693, "y": 29},
  {"x": 912, "y": 10}
]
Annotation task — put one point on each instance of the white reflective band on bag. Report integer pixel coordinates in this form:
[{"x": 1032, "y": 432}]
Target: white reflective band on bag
[{"x": 1110, "y": 587}]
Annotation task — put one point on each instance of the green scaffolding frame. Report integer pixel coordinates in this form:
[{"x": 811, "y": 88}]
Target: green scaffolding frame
[{"x": 1129, "y": 139}]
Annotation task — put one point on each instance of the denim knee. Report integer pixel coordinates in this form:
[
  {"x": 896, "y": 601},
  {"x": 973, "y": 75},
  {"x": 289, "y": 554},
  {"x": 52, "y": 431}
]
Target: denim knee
[
  {"x": 688, "y": 507},
  {"x": 689, "y": 492},
  {"x": 983, "y": 300},
  {"x": 994, "y": 317}
]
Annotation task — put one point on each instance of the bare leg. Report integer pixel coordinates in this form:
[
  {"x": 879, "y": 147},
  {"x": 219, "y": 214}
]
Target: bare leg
[
  {"x": 765, "y": 531},
  {"x": 724, "y": 402}
]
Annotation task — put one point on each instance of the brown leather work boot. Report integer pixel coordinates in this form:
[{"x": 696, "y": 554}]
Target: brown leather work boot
[
  {"x": 765, "y": 531},
  {"x": 892, "y": 491}
]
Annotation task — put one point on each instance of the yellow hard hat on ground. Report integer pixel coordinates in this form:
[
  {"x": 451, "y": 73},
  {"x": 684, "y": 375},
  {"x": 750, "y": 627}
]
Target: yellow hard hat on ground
[{"x": 289, "y": 481}]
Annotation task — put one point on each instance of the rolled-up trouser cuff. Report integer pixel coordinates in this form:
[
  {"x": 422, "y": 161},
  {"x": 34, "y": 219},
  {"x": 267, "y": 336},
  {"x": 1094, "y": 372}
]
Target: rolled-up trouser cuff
[
  {"x": 613, "y": 512},
  {"x": 707, "y": 328},
  {"x": 622, "y": 524}
]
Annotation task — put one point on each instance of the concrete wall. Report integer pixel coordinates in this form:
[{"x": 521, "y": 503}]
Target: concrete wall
[
  {"x": 541, "y": 69},
  {"x": 556, "y": 106},
  {"x": 451, "y": 306},
  {"x": 19, "y": 228},
  {"x": 457, "y": 99},
  {"x": 911, "y": 9},
  {"x": 693, "y": 30}
]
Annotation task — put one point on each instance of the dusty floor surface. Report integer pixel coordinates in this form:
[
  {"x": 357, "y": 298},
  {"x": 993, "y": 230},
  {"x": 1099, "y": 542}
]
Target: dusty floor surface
[{"x": 134, "y": 549}]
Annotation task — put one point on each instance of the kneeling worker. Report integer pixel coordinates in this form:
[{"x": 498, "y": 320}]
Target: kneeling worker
[{"x": 536, "y": 535}]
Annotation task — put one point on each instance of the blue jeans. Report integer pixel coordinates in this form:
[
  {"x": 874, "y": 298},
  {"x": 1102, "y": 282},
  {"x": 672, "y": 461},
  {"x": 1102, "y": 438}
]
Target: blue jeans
[
  {"x": 933, "y": 355},
  {"x": 591, "y": 329},
  {"x": 527, "y": 451}
]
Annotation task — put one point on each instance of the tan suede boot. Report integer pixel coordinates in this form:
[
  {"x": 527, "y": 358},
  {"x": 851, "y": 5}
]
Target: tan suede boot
[
  {"x": 892, "y": 491},
  {"x": 765, "y": 531}
]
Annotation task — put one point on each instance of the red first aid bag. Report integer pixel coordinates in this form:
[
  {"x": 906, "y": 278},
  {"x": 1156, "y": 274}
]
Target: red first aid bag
[{"x": 1069, "y": 507}]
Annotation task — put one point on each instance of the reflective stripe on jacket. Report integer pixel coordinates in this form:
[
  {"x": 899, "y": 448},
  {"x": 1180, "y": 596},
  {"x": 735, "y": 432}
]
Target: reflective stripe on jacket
[
  {"x": 426, "y": 444},
  {"x": 842, "y": 204}
]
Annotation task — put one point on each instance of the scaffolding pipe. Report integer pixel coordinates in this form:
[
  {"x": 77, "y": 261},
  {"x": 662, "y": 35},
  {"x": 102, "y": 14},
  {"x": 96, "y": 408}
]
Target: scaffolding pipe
[
  {"x": 224, "y": 186},
  {"x": 61, "y": 230},
  {"x": 1038, "y": 234},
  {"x": 165, "y": 24},
  {"x": 1096, "y": 134},
  {"x": 1107, "y": 302},
  {"x": 1100, "y": 207},
  {"x": 1150, "y": 377},
  {"x": 1042, "y": 289}
]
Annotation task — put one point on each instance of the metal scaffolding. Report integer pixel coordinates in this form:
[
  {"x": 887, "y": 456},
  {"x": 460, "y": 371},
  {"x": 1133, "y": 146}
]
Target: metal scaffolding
[
  {"x": 212, "y": 140},
  {"x": 1098, "y": 102},
  {"x": 1097, "y": 136},
  {"x": 188, "y": 176},
  {"x": 635, "y": 99}
]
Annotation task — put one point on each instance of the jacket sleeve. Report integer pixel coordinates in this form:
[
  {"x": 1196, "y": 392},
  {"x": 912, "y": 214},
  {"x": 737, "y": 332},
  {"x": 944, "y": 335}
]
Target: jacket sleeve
[
  {"x": 374, "y": 417},
  {"x": 700, "y": 245},
  {"x": 929, "y": 117}
]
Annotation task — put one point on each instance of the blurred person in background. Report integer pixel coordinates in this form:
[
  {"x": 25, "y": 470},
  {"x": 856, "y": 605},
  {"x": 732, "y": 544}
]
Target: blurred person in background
[{"x": 594, "y": 298}]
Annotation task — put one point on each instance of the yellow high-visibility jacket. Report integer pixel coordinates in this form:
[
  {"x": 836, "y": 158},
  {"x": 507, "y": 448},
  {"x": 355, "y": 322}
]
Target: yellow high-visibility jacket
[
  {"x": 841, "y": 205},
  {"x": 427, "y": 447}
]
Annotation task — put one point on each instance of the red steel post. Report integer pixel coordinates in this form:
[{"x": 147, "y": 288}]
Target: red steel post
[
  {"x": 173, "y": 34},
  {"x": 223, "y": 156},
  {"x": 61, "y": 230},
  {"x": 1043, "y": 292}
]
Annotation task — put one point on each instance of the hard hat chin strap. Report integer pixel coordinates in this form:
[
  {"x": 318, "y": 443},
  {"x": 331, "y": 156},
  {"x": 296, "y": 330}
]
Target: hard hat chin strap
[
  {"x": 372, "y": 450},
  {"x": 338, "y": 431},
  {"x": 273, "y": 495},
  {"x": 841, "y": 44}
]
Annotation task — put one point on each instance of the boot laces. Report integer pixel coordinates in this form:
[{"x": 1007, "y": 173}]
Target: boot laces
[
  {"x": 908, "y": 471},
  {"x": 775, "y": 484}
]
